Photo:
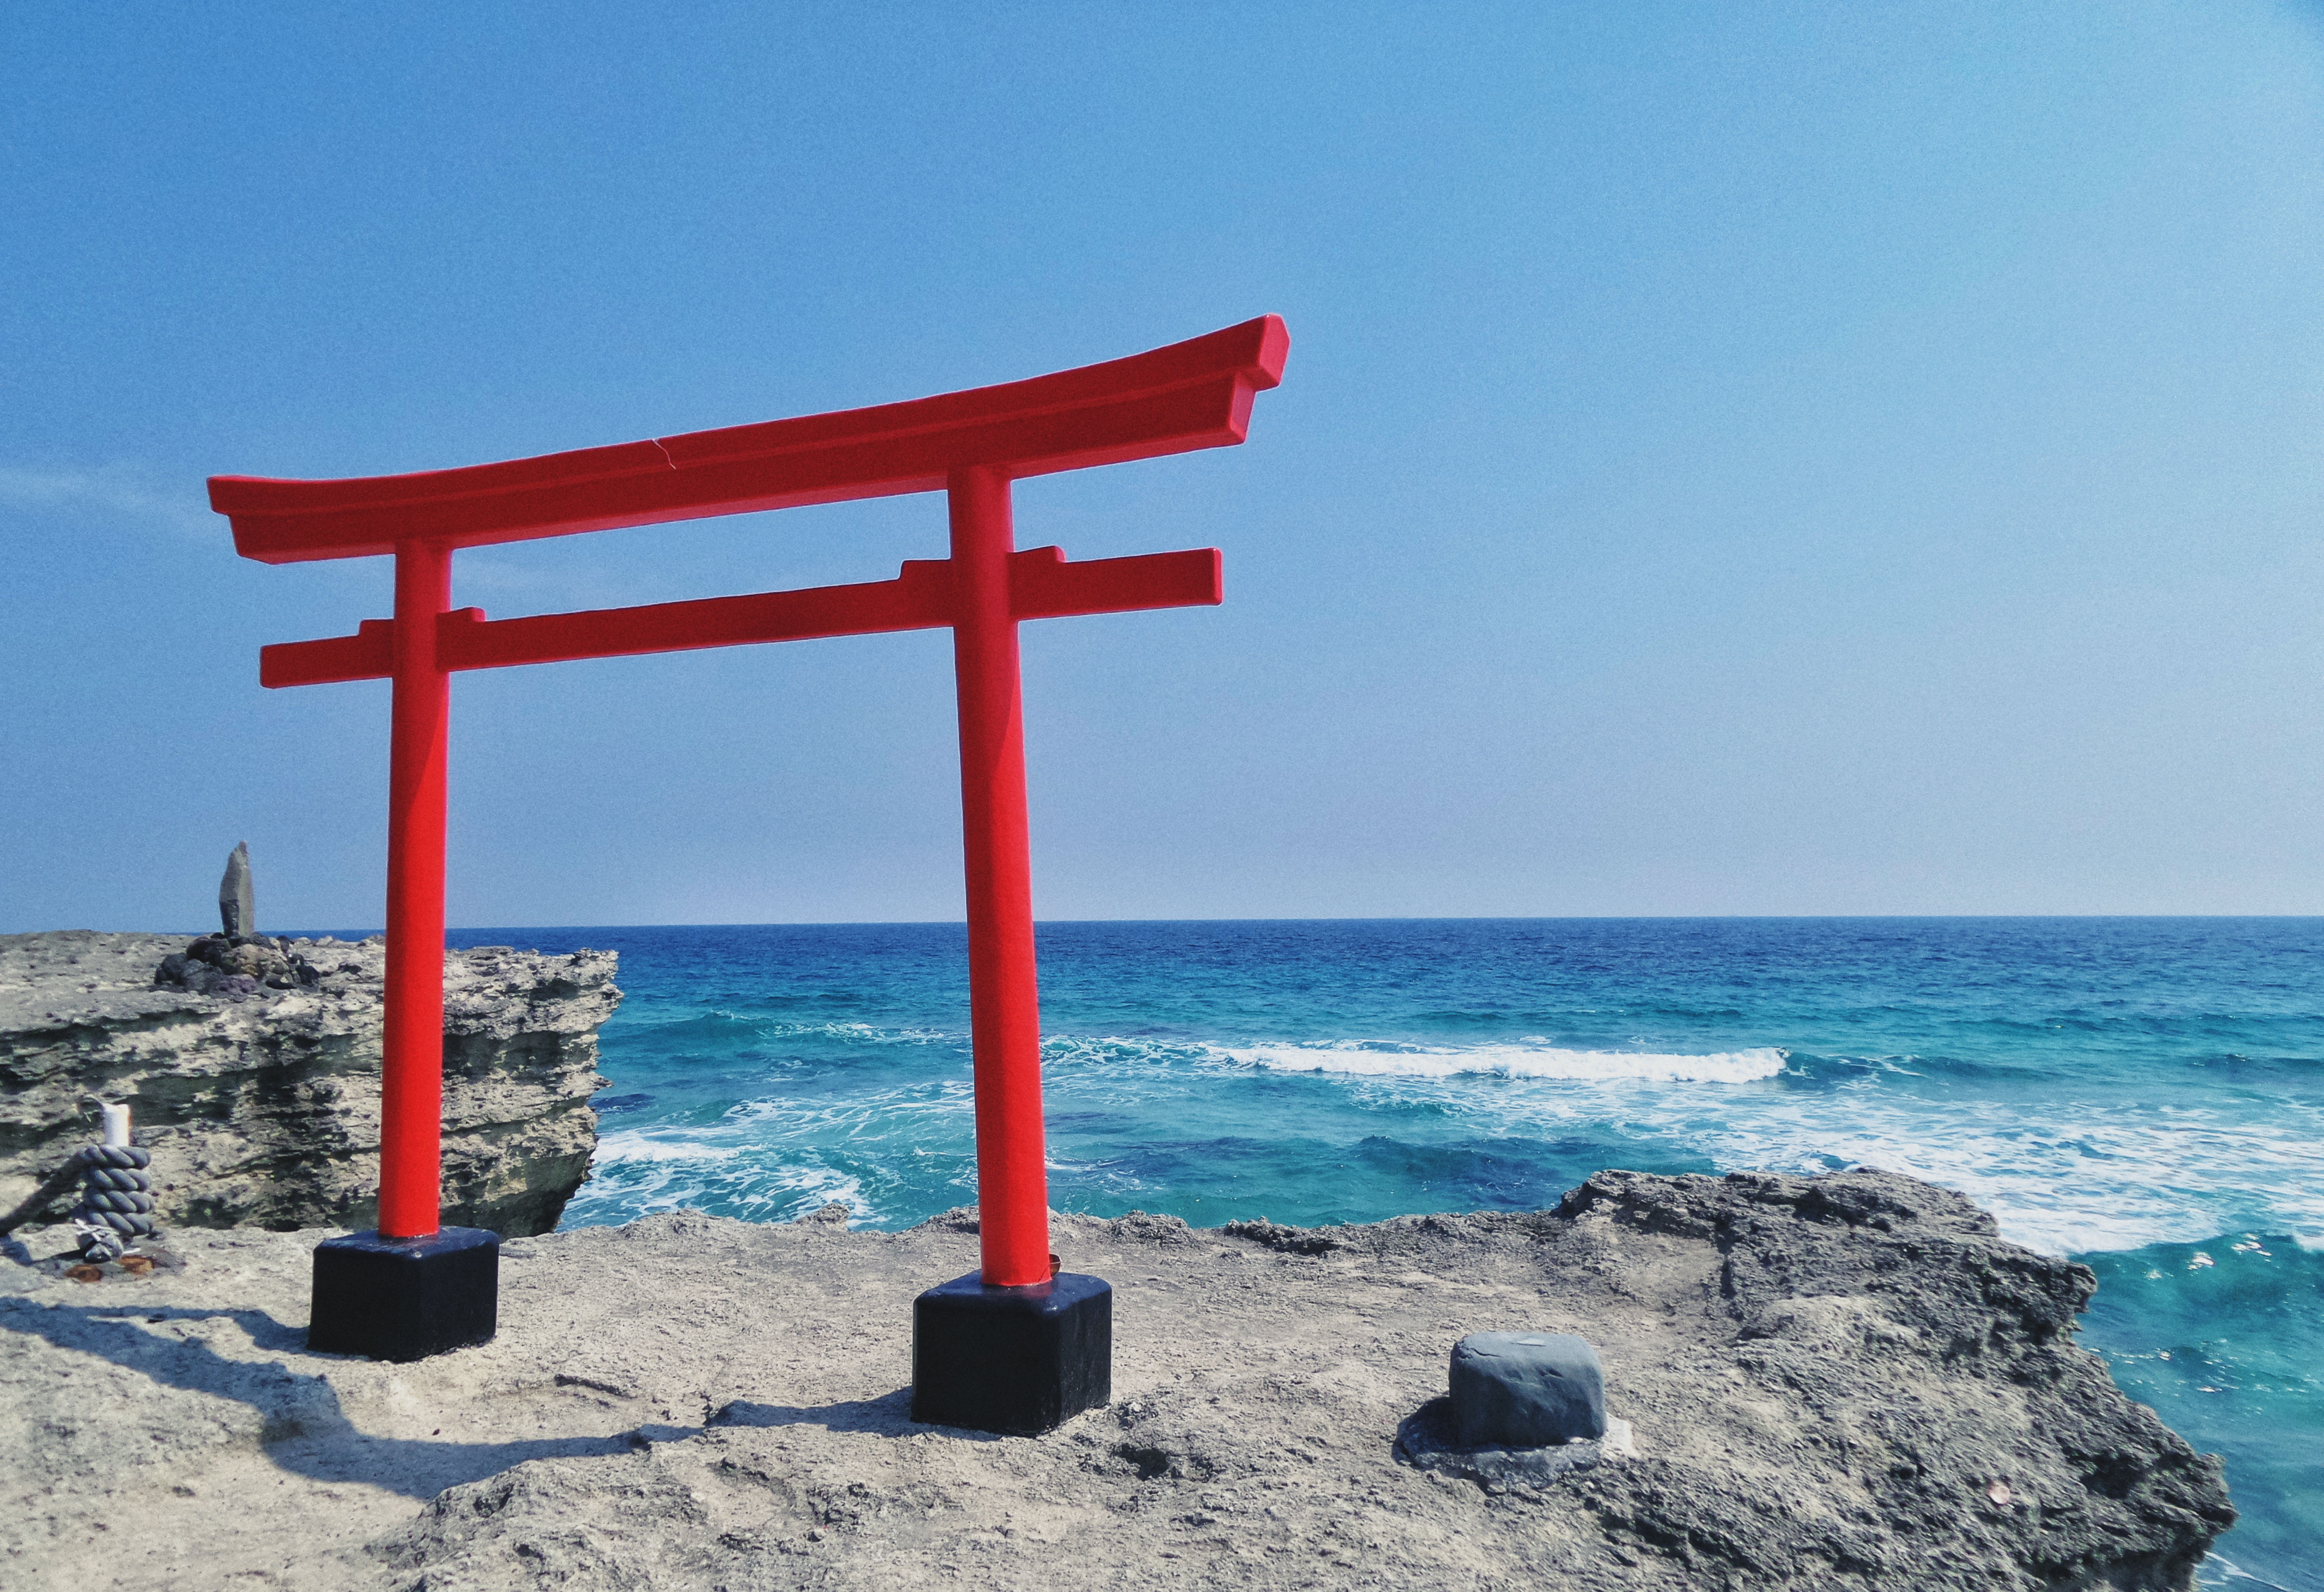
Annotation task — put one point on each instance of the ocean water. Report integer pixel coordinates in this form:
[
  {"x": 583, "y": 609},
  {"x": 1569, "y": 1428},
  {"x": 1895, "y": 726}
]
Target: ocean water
[{"x": 2146, "y": 1095}]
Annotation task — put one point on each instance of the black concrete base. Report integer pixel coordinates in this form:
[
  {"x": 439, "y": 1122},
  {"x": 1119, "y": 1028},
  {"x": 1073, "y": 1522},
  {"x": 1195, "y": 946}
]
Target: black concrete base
[
  {"x": 1020, "y": 1360},
  {"x": 405, "y": 1298}
]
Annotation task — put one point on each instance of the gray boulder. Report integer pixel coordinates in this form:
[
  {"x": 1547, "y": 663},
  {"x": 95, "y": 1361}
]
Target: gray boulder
[{"x": 1527, "y": 1390}]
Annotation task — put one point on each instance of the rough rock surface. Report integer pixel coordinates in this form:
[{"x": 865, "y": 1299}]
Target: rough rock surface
[
  {"x": 260, "y": 1104},
  {"x": 1846, "y": 1382}
]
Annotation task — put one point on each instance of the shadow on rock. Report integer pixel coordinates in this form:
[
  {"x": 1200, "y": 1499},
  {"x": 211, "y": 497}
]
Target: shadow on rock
[
  {"x": 889, "y": 1415},
  {"x": 302, "y": 1427},
  {"x": 1426, "y": 1441}
]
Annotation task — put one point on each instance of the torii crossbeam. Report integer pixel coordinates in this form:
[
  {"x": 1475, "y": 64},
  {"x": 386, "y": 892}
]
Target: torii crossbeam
[{"x": 970, "y": 445}]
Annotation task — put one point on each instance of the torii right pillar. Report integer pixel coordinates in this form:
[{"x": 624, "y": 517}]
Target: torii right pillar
[{"x": 1018, "y": 1345}]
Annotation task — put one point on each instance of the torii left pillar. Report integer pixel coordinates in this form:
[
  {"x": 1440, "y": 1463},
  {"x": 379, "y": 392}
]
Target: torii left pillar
[{"x": 412, "y": 1287}]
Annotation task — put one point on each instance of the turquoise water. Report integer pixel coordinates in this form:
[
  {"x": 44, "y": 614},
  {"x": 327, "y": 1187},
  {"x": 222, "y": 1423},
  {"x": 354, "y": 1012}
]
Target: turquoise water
[{"x": 2144, "y": 1094}]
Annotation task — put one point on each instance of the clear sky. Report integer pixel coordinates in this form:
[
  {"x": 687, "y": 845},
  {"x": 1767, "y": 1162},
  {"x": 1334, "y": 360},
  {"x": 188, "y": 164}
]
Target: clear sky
[{"x": 1763, "y": 459}]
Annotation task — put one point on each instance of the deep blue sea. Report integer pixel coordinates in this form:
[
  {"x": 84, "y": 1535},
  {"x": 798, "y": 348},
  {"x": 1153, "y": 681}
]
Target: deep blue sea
[{"x": 2144, "y": 1094}]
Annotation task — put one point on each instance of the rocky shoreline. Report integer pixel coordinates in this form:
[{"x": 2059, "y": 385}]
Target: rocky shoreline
[
  {"x": 259, "y": 1096},
  {"x": 1844, "y": 1382}
]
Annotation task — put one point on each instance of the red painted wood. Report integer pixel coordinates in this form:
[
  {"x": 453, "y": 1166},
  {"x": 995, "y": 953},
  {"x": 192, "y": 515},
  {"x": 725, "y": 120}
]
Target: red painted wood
[
  {"x": 1012, "y": 1181},
  {"x": 1042, "y": 585},
  {"x": 368, "y": 654},
  {"x": 1192, "y": 394},
  {"x": 411, "y": 1083}
]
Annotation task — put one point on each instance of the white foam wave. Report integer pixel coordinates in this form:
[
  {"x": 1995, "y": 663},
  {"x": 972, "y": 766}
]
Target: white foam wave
[
  {"x": 1728, "y": 1067},
  {"x": 1100, "y": 1049},
  {"x": 882, "y": 1114},
  {"x": 779, "y": 1027},
  {"x": 2059, "y": 1177},
  {"x": 2061, "y": 1174},
  {"x": 637, "y": 1144},
  {"x": 635, "y": 1174},
  {"x": 863, "y": 1033}
]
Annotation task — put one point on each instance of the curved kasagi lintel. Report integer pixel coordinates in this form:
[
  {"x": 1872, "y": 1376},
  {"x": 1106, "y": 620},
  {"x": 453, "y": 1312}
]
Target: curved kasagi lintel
[{"x": 1188, "y": 395}]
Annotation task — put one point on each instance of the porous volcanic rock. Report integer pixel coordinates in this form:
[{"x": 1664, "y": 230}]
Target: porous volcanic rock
[
  {"x": 260, "y": 1104},
  {"x": 1848, "y": 1383}
]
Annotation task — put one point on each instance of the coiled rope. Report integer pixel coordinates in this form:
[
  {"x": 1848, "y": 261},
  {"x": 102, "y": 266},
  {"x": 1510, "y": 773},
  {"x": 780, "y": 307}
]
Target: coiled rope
[{"x": 117, "y": 1200}]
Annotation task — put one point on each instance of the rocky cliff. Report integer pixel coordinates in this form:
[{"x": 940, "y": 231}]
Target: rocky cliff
[
  {"x": 260, "y": 1104},
  {"x": 1848, "y": 1383}
]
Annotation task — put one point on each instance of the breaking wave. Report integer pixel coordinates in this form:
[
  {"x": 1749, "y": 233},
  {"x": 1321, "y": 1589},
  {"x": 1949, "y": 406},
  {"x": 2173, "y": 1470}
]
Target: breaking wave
[{"x": 1729, "y": 1067}]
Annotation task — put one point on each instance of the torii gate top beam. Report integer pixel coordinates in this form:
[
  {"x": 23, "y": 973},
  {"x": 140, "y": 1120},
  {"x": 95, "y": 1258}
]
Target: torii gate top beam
[{"x": 1173, "y": 400}]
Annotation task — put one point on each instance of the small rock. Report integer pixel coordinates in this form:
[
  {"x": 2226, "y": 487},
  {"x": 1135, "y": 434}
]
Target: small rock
[{"x": 1526, "y": 1389}]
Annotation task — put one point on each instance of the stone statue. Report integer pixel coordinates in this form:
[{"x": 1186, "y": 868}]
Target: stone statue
[{"x": 237, "y": 907}]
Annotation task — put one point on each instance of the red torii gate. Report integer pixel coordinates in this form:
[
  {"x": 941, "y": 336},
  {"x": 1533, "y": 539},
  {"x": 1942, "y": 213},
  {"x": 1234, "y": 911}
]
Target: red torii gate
[{"x": 393, "y": 1298}]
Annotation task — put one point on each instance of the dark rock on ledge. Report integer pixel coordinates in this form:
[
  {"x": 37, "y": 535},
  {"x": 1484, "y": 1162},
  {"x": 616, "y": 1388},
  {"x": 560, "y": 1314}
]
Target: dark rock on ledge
[
  {"x": 235, "y": 966},
  {"x": 252, "y": 1067},
  {"x": 1936, "y": 1406}
]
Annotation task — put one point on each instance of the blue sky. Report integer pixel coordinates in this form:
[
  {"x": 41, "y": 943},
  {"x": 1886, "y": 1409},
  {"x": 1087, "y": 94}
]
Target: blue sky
[{"x": 1733, "y": 460}]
